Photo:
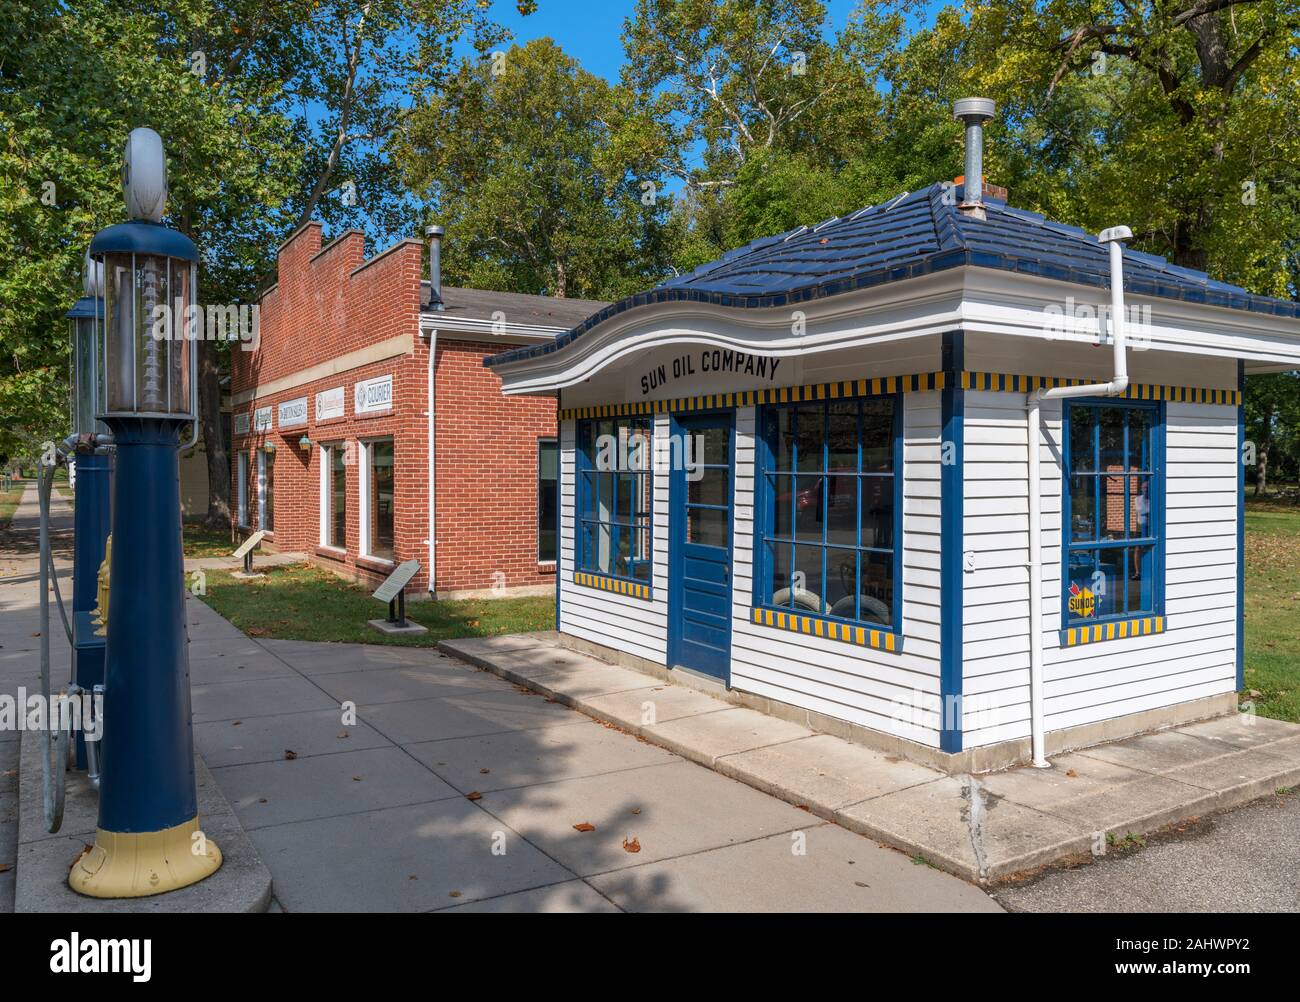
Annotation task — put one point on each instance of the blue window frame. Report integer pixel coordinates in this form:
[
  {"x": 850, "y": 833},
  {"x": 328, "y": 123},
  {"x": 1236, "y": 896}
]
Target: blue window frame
[
  {"x": 1113, "y": 511},
  {"x": 829, "y": 510},
  {"x": 615, "y": 481}
]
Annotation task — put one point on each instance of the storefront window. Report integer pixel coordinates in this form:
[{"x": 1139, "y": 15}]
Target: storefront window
[
  {"x": 1113, "y": 511},
  {"x": 614, "y": 486},
  {"x": 548, "y": 473},
  {"x": 241, "y": 489},
  {"x": 379, "y": 496},
  {"x": 266, "y": 490},
  {"x": 335, "y": 486},
  {"x": 830, "y": 509}
]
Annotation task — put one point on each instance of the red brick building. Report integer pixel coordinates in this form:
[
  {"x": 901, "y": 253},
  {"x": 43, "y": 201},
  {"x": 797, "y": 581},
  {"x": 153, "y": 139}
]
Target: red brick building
[{"x": 332, "y": 435}]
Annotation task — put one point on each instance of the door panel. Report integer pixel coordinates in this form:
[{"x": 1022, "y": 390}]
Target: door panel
[{"x": 700, "y": 546}]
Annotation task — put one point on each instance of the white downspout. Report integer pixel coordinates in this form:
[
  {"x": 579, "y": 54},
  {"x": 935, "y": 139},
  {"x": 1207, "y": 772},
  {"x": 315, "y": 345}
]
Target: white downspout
[
  {"x": 434, "y": 235},
  {"x": 1033, "y": 405},
  {"x": 433, "y": 466}
]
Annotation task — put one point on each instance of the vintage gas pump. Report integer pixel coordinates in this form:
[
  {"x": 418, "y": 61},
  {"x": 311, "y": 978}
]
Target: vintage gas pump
[
  {"x": 148, "y": 839},
  {"x": 91, "y": 447}
]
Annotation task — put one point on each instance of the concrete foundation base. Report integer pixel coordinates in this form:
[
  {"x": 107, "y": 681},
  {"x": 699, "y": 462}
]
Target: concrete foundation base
[
  {"x": 242, "y": 884},
  {"x": 986, "y": 758},
  {"x": 245, "y": 576},
  {"x": 393, "y": 630}
]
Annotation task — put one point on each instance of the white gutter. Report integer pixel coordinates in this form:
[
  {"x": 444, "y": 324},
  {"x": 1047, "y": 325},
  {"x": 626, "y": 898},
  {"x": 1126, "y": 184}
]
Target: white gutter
[
  {"x": 1116, "y": 387},
  {"x": 434, "y": 235}
]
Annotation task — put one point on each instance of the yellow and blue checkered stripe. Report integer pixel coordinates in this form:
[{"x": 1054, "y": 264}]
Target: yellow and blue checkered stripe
[
  {"x": 881, "y": 640},
  {"x": 617, "y": 585},
  {"x": 1076, "y": 635},
  {"x": 884, "y": 385},
  {"x": 1136, "y": 391},
  {"x": 880, "y": 386}
]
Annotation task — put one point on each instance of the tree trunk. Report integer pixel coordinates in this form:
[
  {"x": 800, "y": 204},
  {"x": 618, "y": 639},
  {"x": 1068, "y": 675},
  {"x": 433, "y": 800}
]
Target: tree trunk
[
  {"x": 1261, "y": 473},
  {"x": 214, "y": 443}
]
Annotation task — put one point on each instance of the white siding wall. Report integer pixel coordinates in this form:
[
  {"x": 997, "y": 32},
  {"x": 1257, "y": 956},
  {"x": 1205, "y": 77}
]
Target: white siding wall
[
  {"x": 1195, "y": 657},
  {"x": 619, "y": 621},
  {"x": 895, "y": 693}
]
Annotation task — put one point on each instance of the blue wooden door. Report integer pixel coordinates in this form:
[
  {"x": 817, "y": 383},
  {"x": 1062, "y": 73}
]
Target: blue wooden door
[{"x": 700, "y": 528}]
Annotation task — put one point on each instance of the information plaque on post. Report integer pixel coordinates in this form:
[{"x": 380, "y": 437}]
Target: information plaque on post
[
  {"x": 245, "y": 553},
  {"x": 393, "y": 591}
]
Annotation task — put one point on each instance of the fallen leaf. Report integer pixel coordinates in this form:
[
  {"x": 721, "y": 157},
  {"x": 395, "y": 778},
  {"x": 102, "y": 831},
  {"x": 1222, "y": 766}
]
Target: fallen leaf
[
  {"x": 474, "y": 795},
  {"x": 636, "y": 810},
  {"x": 356, "y": 779},
  {"x": 859, "y": 883},
  {"x": 484, "y": 772},
  {"x": 1071, "y": 773},
  {"x": 632, "y": 845},
  {"x": 343, "y": 735},
  {"x": 290, "y": 754},
  {"x": 262, "y": 800},
  {"x": 455, "y": 894},
  {"x": 236, "y": 723},
  {"x": 585, "y": 826},
  {"x": 6, "y": 867}
]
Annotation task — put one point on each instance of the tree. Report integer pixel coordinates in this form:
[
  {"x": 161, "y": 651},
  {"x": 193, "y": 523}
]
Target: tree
[
  {"x": 75, "y": 78},
  {"x": 1273, "y": 425},
  {"x": 539, "y": 171},
  {"x": 1177, "y": 118}
]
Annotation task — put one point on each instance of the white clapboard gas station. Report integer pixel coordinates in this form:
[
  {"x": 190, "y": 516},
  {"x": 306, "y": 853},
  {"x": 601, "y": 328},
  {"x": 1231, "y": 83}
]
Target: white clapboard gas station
[{"x": 840, "y": 518}]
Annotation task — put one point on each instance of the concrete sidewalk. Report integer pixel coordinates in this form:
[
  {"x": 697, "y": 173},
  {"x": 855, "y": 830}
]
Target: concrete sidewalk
[
  {"x": 454, "y": 789},
  {"x": 979, "y": 827}
]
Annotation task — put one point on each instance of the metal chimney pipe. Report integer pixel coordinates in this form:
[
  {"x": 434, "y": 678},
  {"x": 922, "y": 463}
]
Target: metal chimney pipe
[
  {"x": 973, "y": 112},
  {"x": 434, "y": 235}
]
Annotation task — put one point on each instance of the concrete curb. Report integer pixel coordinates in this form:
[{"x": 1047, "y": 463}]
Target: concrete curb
[
  {"x": 243, "y": 884},
  {"x": 1056, "y": 835}
]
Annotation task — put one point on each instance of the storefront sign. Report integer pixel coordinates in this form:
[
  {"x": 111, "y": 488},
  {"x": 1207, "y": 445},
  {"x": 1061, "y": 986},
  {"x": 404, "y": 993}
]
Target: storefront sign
[
  {"x": 262, "y": 419},
  {"x": 1083, "y": 603},
  {"x": 329, "y": 404},
  {"x": 709, "y": 362},
  {"x": 374, "y": 395},
  {"x": 293, "y": 413},
  {"x": 241, "y": 423}
]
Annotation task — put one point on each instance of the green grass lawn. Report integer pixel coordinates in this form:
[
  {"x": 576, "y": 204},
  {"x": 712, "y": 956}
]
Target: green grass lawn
[
  {"x": 302, "y": 602},
  {"x": 1273, "y": 608},
  {"x": 9, "y": 503},
  {"x": 201, "y": 541}
]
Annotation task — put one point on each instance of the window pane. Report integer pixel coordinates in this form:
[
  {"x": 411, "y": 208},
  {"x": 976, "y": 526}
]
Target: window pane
[
  {"x": 777, "y": 590},
  {"x": 626, "y": 487},
  {"x": 716, "y": 451},
  {"x": 1112, "y": 439},
  {"x": 878, "y": 512},
  {"x": 1081, "y": 586},
  {"x": 876, "y": 604},
  {"x": 1112, "y": 508},
  {"x": 711, "y": 487},
  {"x": 1139, "y": 586},
  {"x": 842, "y": 511},
  {"x": 878, "y": 434},
  {"x": 707, "y": 526},
  {"x": 843, "y": 438},
  {"x": 548, "y": 471},
  {"x": 381, "y": 499},
  {"x": 1140, "y": 507},
  {"x": 782, "y": 489},
  {"x": 841, "y": 581},
  {"x": 808, "y": 578},
  {"x": 810, "y": 435},
  {"x": 1082, "y": 448},
  {"x": 269, "y": 486},
  {"x": 588, "y": 493},
  {"x": 1083, "y": 515},
  {"x": 1139, "y": 439},
  {"x": 604, "y": 496},
  {"x": 780, "y": 436},
  {"x": 338, "y": 496},
  {"x": 808, "y": 509}
]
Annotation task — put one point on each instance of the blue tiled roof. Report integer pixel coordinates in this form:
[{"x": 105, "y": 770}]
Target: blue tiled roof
[{"x": 915, "y": 234}]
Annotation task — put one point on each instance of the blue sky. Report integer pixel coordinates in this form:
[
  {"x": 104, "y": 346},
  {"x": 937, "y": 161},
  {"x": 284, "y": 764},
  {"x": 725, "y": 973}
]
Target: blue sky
[{"x": 592, "y": 31}]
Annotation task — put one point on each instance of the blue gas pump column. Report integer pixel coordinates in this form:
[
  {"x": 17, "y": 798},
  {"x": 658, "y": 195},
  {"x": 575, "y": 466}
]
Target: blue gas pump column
[
  {"x": 94, "y": 466},
  {"x": 149, "y": 839}
]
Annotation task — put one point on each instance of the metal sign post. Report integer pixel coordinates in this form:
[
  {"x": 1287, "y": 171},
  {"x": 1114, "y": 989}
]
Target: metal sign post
[
  {"x": 245, "y": 553},
  {"x": 393, "y": 591}
]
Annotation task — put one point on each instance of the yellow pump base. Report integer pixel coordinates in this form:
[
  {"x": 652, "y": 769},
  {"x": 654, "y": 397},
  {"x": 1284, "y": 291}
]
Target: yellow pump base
[{"x": 137, "y": 864}]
